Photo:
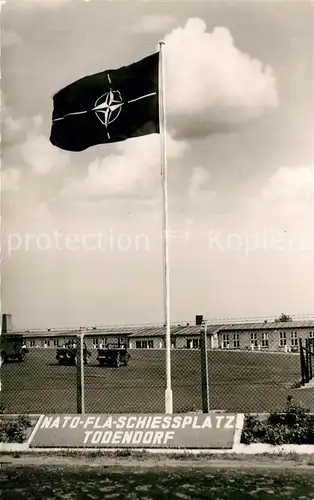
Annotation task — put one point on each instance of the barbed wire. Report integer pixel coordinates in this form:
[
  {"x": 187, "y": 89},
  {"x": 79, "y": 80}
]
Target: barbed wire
[{"x": 117, "y": 327}]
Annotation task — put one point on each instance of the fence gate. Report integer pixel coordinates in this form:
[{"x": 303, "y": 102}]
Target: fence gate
[{"x": 307, "y": 360}]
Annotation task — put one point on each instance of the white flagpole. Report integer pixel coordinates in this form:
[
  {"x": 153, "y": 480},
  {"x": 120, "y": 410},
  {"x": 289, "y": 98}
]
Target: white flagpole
[{"x": 162, "y": 125}]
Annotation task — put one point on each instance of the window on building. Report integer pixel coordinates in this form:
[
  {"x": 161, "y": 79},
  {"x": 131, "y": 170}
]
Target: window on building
[
  {"x": 95, "y": 343},
  {"x": 254, "y": 339},
  {"x": 294, "y": 339},
  {"x": 46, "y": 343},
  {"x": 196, "y": 343},
  {"x": 193, "y": 343},
  {"x": 56, "y": 343},
  {"x": 31, "y": 343},
  {"x": 225, "y": 341},
  {"x": 311, "y": 335},
  {"x": 283, "y": 339},
  {"x": 236, "y": 340},
  {"x": 265, "y": 342},
  {"x": 144, "y": 344}
]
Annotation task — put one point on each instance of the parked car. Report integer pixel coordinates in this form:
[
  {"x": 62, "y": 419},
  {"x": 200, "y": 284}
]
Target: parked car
[
  {"x": 12, "y": 348},
  {"x": 68, "y": 354},
  {"x": 113, "y": 355}
]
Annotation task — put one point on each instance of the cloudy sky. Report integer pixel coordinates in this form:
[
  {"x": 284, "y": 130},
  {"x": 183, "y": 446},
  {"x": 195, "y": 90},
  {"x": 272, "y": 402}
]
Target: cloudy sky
[{"x": 81, "y": 232}]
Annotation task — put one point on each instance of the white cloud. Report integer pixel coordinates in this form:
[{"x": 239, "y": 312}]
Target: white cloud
[
  {"x": 291, "y": 184},
  {"x": 131, "y": 170},
  {"x": 10, "y": 179},
  {"x": 153, "y": 23},
  {"x": 15, "y": 124},
  {"x": 39, "y": 153},
  {"x": 198, "y": 182},
  {"x": 37, "y": 121},
  {"x": 287, "y": 197},
  {"x": 211, "y": 85}
]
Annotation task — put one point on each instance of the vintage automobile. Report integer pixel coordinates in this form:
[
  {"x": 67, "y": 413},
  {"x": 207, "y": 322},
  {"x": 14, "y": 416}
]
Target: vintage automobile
[
  {"x": 12, "y": 348},
  {"x": 67, "y": 355},
  {"x": 113, "y": 355}
]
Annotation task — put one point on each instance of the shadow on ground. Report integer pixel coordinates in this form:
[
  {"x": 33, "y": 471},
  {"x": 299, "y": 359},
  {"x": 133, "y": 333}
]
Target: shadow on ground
[{"x": 102, "y": 482}]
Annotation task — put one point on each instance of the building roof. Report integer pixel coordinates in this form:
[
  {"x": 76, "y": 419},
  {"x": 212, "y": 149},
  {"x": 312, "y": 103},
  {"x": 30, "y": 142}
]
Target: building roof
[
  {"x": 141, "y": 331},
  {"x": 175, "y": 331},
  {"x": 45, "y": 333},
  {"x": 157, "y": 331},
  {"x": 280, "y": 325},
  {"x": 54, "y": 333}
]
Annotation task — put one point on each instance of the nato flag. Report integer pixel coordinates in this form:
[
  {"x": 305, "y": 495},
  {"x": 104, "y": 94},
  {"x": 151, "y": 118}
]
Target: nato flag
[{"x": 107, "y": 107}]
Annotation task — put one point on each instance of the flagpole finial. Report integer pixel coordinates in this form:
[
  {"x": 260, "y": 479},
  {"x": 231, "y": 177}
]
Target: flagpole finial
[{"x": 162, "y": 43}]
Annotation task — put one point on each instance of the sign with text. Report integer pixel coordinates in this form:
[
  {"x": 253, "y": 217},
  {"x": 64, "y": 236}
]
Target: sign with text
[{"x": 210, "y": 430}]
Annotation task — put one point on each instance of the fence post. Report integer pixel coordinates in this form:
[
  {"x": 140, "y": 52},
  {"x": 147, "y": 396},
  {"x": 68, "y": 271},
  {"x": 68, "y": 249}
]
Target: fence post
[
  {"x": 307, "y": 355},
  {"x": 80, "y": 374},
  {"x": 302, "y": 362},
  {"x": 204, "y": 368},
  {"x": 311, "y": 354}
]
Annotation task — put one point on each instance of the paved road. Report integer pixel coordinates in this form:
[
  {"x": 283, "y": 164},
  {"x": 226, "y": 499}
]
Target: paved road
[{"x": 85, "y": 481}]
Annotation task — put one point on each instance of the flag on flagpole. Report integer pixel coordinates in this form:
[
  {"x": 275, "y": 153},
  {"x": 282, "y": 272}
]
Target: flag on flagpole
[
  {"x": 113, "y": 106},
  {"x": 110, "y": 106}
]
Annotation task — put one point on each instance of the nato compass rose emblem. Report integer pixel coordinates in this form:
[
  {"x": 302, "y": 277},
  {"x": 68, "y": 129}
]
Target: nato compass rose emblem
[{"x": 107, "y": 107}]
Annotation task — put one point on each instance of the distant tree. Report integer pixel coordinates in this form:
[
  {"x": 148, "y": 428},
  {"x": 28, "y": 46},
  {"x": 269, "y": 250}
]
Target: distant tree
[{"x": 283, "y": 318}]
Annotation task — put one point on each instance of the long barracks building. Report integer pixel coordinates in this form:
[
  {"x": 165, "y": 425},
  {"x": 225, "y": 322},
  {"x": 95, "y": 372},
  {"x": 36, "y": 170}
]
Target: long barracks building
[{"x": 267, "y": 335}]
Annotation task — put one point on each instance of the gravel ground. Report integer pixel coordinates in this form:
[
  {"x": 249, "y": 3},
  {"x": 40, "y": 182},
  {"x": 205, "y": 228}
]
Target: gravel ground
[{"x": 44, "y": 477}]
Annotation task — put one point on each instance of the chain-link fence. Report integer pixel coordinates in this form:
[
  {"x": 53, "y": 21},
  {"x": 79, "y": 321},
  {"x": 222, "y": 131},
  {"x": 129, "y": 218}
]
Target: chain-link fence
[
  {"x": 307, "y": 360},
  {"x": 240, "y": 380},
  {"x": 38, "y": 383}
]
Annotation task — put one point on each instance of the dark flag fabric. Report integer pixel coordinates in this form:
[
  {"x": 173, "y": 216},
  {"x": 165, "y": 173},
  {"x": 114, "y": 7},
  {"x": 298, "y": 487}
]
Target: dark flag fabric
[{"x": 107, "y": 107}]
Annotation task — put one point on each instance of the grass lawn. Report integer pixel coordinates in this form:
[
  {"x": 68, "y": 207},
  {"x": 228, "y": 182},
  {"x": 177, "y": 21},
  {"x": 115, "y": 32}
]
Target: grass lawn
[
  {"x": 51, "y": 482},
  {"x": 239, "y": 382}
]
